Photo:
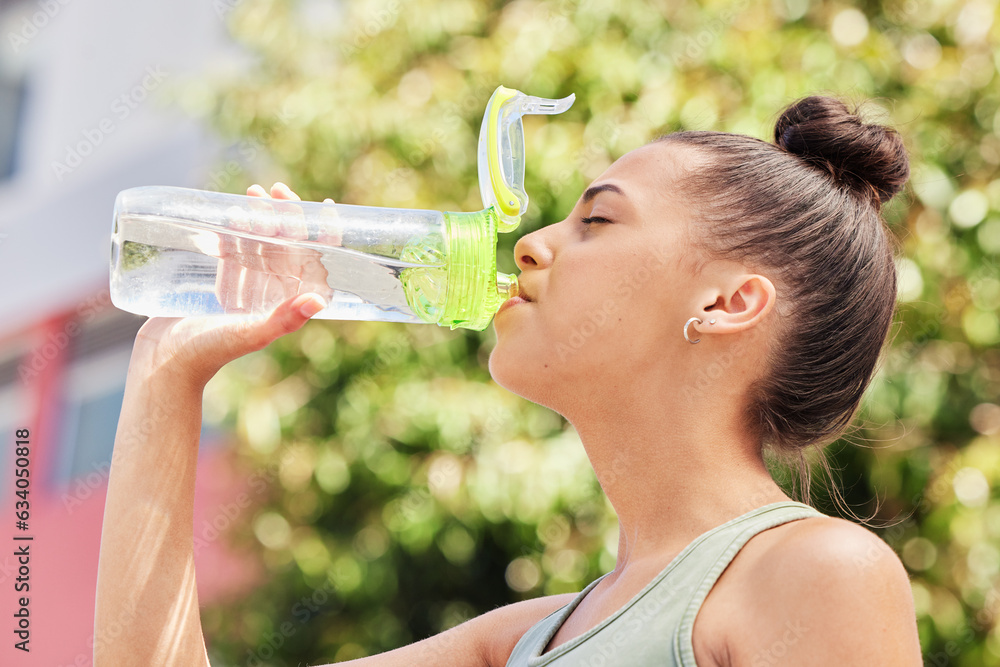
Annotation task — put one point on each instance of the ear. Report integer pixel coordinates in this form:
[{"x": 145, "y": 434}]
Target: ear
[{"x": 743, "y": 303}]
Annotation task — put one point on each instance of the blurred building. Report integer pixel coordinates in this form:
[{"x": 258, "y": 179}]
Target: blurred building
[{"x": 80, "y": 120}]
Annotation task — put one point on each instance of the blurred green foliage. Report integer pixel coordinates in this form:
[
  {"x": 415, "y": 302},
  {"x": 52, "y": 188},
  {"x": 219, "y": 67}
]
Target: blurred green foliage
[{"x": 409, "y": 491}]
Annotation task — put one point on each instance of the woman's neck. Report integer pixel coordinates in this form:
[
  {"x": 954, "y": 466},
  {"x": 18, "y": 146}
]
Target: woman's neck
[{"x": 672, "y": 467}]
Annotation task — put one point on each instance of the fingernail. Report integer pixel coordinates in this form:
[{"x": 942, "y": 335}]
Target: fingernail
[{"x": 312, "y": 305}]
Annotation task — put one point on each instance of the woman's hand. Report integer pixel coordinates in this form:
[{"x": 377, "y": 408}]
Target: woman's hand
[
  {"x": 193, "y": 349},
  {"x": 253, "y": 276}
]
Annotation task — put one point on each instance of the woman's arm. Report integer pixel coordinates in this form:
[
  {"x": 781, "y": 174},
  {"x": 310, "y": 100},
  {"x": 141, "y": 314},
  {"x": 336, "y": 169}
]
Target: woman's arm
[
  {"x": 147, "y": 605},
  {"x": 484, "y": 641}
]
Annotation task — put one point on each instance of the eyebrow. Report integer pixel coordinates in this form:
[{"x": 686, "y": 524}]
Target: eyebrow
[{"x": 595, "y": 190}]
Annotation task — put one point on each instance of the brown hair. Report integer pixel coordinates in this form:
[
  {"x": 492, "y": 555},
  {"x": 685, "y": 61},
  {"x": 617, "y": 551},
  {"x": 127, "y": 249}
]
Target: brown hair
[{"x": 807, "y": 207}]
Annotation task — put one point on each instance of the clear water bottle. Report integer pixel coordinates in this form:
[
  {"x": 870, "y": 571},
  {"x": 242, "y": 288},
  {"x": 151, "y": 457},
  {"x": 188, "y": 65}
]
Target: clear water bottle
[{"x": 178, "y": 252}]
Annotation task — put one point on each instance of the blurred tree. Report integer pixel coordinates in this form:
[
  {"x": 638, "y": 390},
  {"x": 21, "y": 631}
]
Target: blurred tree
[{"x": 407, "y": 492}]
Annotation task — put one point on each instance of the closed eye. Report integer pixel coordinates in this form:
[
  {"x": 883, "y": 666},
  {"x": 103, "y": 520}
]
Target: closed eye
[{"x": 595, "y": 218}]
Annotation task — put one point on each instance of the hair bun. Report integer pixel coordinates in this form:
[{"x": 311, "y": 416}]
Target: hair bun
[{"x": 870, "y": 159}]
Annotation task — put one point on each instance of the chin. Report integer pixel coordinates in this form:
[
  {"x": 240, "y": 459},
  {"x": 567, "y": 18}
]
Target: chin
[
  {"x": 503, "y": 369},
  {"x": 526, "y": 375}
]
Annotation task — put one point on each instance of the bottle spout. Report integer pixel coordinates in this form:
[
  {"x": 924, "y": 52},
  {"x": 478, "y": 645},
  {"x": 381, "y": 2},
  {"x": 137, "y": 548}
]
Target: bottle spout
[{"x": 506, "y": 286}]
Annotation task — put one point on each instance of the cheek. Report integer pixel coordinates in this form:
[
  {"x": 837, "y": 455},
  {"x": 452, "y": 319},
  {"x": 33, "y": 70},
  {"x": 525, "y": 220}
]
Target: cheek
[
  {"x": 620, "y": 317},
  {"x": 603, "y": 305},
  {"x": 600, "y": 316}
]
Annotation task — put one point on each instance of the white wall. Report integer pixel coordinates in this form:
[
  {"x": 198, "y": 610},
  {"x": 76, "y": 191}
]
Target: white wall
[{"x": 80, "y": 58}]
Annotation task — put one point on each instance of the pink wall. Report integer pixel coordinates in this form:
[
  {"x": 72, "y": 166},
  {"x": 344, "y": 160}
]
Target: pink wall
[{"x": 65, "y": 524}]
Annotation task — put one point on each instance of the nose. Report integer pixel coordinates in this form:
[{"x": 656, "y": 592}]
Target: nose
[{"x": 533, "y": 250}]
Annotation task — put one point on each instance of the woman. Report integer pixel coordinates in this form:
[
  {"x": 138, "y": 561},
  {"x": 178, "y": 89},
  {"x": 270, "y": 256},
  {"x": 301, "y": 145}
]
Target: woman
[{"x": 709, "y": 295}]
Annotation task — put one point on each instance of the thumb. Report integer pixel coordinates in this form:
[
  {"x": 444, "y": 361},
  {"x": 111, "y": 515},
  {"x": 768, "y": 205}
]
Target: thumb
[{"x": 289, "y": 316}]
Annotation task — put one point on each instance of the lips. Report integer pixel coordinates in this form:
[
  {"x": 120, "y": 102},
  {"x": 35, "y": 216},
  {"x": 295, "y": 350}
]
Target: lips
[
  {"x": 511, "y": 302},
  {"x": 522, "y": 293},
  {"x": 519, "y": 296}
]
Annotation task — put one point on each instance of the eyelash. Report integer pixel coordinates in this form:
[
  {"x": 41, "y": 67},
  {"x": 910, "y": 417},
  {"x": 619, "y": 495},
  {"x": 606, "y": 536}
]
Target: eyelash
[{"x": 596, "y": 218}]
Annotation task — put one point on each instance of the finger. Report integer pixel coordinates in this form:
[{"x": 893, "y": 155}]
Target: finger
[
  {"x": 284, "y": 261},
  {"x": 227, "y": 280},
  {"x": 275, "y": 291},
  {"x": 276, "y": 260},
  {"x": 281, "y": 191},
  {"x": 252, "y": 291},
  {"x": 291, "y": 223},
  {"x": 253, "y": 281},
  {"x": 229, "y": 273},
  {"x": 251, "y": 275},
  {"x": 328, "y": 228},
  {"x": 286, "y": 318}
]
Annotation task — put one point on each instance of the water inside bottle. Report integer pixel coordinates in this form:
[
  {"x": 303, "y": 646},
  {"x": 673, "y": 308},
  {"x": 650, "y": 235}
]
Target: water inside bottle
[{"x": 168, "y": 267}]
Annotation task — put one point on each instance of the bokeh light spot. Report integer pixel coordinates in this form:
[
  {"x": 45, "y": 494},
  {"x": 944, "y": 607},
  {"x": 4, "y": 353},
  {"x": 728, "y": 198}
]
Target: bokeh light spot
[
  {"x": 971, "y": 487},
  {"x": 850, "y": 27}
]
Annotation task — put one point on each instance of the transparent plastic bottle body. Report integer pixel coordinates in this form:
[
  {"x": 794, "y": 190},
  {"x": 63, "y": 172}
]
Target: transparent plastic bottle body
[{"x": 179, "y": 252}]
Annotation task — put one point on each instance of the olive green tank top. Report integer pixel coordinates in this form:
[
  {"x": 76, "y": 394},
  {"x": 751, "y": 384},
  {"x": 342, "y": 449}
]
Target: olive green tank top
[{"x": 655, "y": 626}]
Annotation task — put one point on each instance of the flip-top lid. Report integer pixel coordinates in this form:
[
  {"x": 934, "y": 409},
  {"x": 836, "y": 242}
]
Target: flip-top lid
[{"x": 501, "y": 151}]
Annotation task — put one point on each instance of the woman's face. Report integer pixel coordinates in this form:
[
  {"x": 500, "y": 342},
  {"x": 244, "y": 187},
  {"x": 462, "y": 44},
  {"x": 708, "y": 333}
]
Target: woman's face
[{"x": 609, "y": 287}]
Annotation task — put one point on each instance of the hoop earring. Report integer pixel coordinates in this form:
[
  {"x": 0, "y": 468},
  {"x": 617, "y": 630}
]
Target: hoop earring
[{"x": 686, "y": 325}]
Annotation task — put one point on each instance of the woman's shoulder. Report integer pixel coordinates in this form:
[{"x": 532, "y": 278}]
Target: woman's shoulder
[
  {"x": 820, "y": 586},
  {"x": 833, "y": 545},
  {"x": 812, "y": 563}
]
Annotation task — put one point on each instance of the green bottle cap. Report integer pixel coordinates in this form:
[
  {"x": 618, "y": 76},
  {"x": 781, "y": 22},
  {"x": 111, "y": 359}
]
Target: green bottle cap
[{"x": 475, "y": 288}]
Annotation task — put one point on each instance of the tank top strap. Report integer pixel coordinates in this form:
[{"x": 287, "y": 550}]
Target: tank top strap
[
  {"x": 717, "y": 551},
  {"x": 655, "y": 626}
]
